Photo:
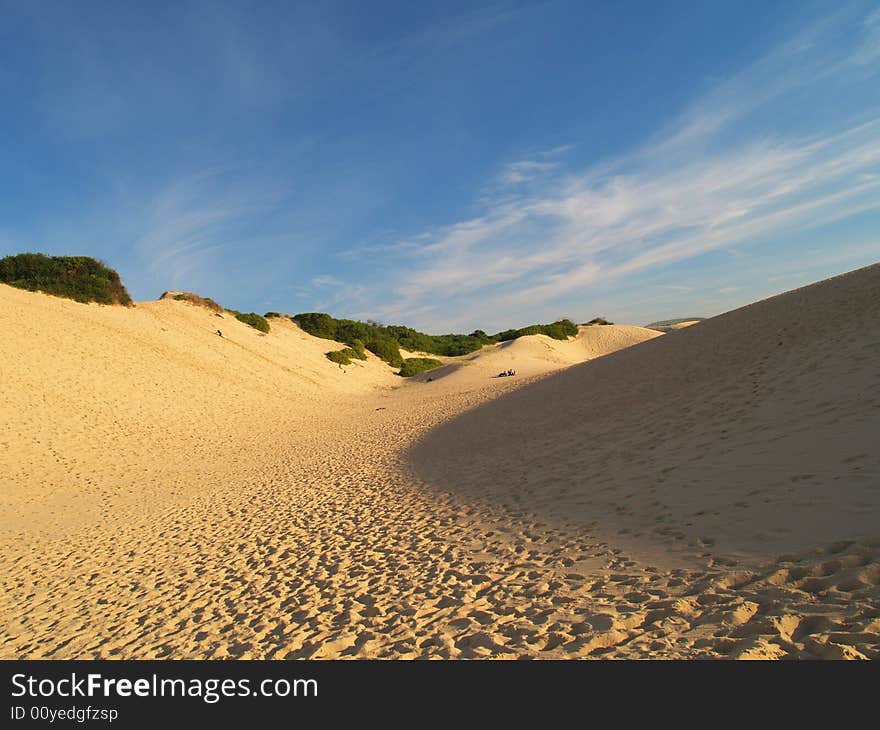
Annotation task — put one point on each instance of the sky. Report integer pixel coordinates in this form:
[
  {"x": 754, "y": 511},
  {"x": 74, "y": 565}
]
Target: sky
[{"x": 445, "y": 165}]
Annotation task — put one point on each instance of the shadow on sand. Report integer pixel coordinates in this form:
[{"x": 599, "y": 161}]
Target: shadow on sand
[{"x": 731, "y": 436}]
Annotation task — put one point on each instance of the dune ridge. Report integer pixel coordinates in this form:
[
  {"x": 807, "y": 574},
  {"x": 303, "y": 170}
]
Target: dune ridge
[{"x": 168, "y": 493}]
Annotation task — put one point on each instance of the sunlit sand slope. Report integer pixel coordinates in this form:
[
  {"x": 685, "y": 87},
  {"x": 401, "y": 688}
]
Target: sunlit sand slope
[{"x": 535, "y": 355}]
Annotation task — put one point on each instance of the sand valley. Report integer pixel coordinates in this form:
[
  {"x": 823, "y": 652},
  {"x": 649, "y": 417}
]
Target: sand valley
[{"x": 709, "y": 492}]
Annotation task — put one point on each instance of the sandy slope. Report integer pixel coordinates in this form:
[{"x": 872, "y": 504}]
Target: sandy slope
[
  {"x": 752, "y": 431},
  {"x": 107, "y": 403},
  {"x": 533, "y": 355},
  {"x": 689, "y": 323},
  {"x": 169, "y": 493}
]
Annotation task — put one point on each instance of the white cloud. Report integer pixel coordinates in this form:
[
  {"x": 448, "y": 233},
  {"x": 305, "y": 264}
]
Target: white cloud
[
  {"x": 524, "y": 171},
  {"x": 707, "y": 182},
  {"x": 192, "y": 218}
]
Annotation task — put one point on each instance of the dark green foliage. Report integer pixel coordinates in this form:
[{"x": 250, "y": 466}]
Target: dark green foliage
[
  {"x": 559, "y": 330},
  {"x": 358, "y": 346},
  {"x": 371, "y": 335},
  {"x": 599, "y": 320},
  {"x": 449, "y": 345},
  {"x": 341, "y": 357},
  {"x": 346, "y": 355},
  {"x": 80, "y": 278},
  {"x": 385, "y": 341},
  {"x": 206, "y": 302},
  {"x": 507, "y": 335},
  {"x": 251, "y": 318},
  {"x": 385, "y": 349},
  {"x": 267, "y": 315},
  {"x": 415, "y": 365},
  {"x": 317, "y": 324}
]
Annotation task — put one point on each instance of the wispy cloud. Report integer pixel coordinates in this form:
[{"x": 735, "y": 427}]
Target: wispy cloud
[
  {"x": 524, "y": 171},
  {"x": 715, "y": 178},
  {"x": 327, "y": 292},
  {"x": 193, "y": 217}
]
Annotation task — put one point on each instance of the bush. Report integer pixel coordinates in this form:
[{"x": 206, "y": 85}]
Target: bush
[
  {"x": 251, "y": 318},
  {"x": 560, "y": 330},
  {"x": 80, "y": 278},
  {"x": 599, "y": 320},
  {"x": 415, "y": 365},
  {"x": 385, "y": 341},
  {"x": 346, "y": 355},
  {"x": 387, "y": 350},
  {"x": 186, "y": 296},
  {"x": 360, "y": 348},
  {"x": 317, "y": 324},
  {"x": 268, "y": 315}
]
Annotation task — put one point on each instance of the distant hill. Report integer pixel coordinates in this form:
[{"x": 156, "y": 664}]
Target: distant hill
[
  {"x": 667, "y": 325},
  {"x": 81, "y": 278},
  {"x": 385, "y": 341}
]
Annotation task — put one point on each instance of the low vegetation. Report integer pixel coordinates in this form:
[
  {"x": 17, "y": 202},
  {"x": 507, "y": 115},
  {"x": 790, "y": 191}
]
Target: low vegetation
[
  {"x": 269, "y": 315},
  {"x": 415, "y": 365},
  {"x": 257, "y": 321},
  {"x": 386, "y": 341},
  {"x": 598, "y": 321},
  {"x": 560, "y": 330},
  {"x": 81, "y": 278},
  {"x": 347, "y": 354},
  {"x": 186, "y": 296}
]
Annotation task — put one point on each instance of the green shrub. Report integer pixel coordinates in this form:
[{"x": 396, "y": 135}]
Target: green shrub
[
  {"x": 599, "y": 320},
  {"x": 317, "y": 324},
  {"x": 341, "y": 357},
  {"x": 346, "y": 355},
  {"x": 385, "y": 341},
  {"x": 268, "y": 315},
  {"x": 560, "y": 330},
  {"x": 415, "y": 365},
  {"x": 251, "y": 318},
  {"x": 387, "y": 350},
  {"x": 80, "y": 278}
]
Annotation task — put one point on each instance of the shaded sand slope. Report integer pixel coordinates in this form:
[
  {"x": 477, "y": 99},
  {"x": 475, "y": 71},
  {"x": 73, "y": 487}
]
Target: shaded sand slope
[{"x": 753, "y": 434}]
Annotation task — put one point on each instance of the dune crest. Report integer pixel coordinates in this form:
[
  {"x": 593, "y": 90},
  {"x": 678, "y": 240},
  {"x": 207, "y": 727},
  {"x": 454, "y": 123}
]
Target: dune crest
[
  {"x": 748, "y": 432},
  {"x": 169, "y": 493},
  {"x": 534, "y": 355}
]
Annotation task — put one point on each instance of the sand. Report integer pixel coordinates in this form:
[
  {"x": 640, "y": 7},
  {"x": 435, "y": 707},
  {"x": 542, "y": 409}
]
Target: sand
[
  {"x": 167, "y": 493},
  {"x": 531, "y": 356},
  {"x": 689, "y": 323}
]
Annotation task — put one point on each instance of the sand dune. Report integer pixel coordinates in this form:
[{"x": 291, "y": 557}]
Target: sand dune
[
  {"x": 108, "y": 403},
  {"x": 757, "y": 418},
  {"x": 168, "y": 493},
  {"x": 535, "y": 355},
  {"x": 689, "y": 323},
  {"x": 747, "y": 440}
]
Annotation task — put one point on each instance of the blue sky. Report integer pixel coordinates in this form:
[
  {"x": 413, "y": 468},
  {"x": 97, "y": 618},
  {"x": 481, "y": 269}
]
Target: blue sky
[{"x": 446, "y": 165}]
